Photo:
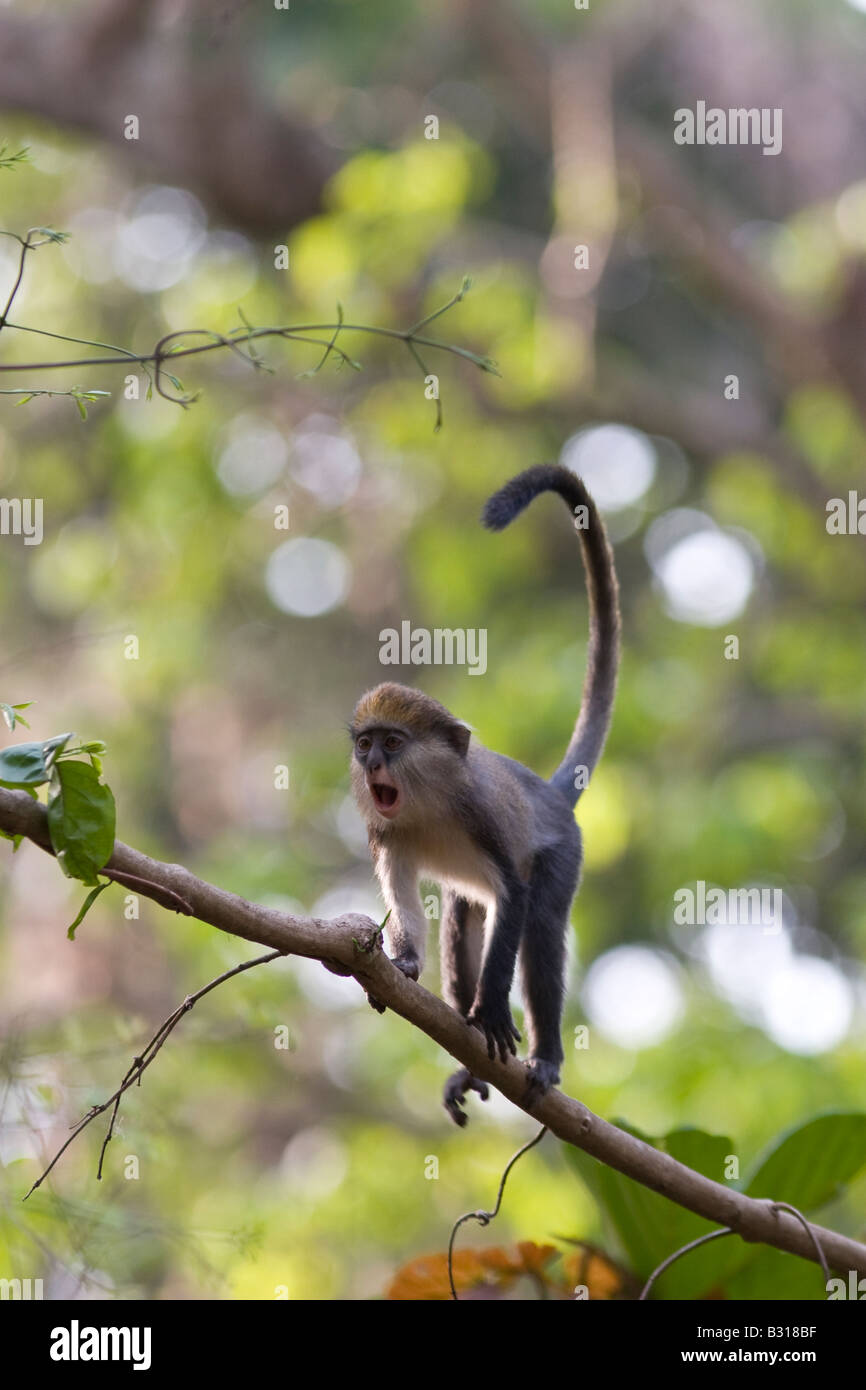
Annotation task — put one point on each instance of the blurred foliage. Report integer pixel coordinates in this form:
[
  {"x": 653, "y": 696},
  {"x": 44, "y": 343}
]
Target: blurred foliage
[
  {"x": 495, "y": 1273},
  {"x": 244, "y": 1168}
]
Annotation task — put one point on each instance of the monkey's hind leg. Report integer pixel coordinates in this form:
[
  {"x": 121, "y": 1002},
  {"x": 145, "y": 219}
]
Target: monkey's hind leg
[
  {"x": 542, "y": 964},
  {"x": 461, "y": 940}
]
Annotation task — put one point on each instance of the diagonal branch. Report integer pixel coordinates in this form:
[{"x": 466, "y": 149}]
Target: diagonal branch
[{"x": 351, "y": 945}]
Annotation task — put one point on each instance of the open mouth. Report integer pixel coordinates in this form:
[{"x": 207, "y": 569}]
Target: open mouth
[{"x": 385, "y": 797}]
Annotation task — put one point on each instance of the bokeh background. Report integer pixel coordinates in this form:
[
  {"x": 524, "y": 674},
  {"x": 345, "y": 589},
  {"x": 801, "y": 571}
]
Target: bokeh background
[{"x": 306, "y": 128}]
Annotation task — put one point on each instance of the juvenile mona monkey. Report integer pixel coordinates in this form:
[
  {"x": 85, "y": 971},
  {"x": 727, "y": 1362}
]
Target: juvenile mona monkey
[{"x": 503, "y": 842}]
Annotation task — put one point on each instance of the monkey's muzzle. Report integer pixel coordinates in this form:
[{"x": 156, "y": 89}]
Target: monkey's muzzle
[{"x": 385, "y": 793}]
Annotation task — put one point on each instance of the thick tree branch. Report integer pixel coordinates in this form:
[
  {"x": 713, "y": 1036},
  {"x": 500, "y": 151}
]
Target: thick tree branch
[{"x": 351, "y": 945}]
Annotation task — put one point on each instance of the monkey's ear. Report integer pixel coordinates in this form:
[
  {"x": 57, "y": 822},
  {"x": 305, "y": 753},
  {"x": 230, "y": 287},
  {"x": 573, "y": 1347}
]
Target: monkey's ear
[{"x": 459, "y": 736}]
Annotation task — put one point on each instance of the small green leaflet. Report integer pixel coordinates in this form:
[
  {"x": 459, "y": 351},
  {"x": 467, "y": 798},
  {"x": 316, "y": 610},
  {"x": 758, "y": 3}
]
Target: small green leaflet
[
  {"x": 81, "y": 818},
  {"x": 29, "y": 764},
  {"x": 86, "y": 906},
  {"x": 11, "y": 714}
]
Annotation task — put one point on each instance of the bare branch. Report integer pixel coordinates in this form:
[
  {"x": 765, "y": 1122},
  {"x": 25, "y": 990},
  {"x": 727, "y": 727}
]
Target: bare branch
[
  {"x": 140, "y": 1064},
  {"x": 172, "y": 346}
]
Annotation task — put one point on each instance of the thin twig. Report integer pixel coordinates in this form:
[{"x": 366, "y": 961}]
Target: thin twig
[
  {"x": 155, "y": 890},
  {"x": 25, "y": 247},
  {"x": 27, "y": 244},
  {"x": 485, "y": 1217},
  {"x": 288, "y": 331},
  {"x": 455, "y": 299},
  {"x": 726, "y": 1231},
  {"x": 235, "y": 341},
  {"x": 683, "y": 1250},
  {"x": 810, "y": 1231},
  {"x": 140, "y": 1064}
]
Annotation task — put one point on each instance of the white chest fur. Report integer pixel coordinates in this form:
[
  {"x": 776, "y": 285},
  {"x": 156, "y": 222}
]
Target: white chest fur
[{"x": 449, "y": 856}]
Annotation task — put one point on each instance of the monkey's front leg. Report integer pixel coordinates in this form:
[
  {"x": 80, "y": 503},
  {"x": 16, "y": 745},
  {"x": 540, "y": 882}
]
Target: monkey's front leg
[
  {"x": 490, "y": 1010},
  {"x": 406, "y": 927}
]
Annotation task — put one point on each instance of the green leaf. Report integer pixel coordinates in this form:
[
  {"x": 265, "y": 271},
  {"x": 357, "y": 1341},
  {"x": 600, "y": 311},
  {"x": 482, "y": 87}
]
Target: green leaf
[
  {"x": 772, "y": 1274},
  {"x": 650, "y": 1227},
  {"x": 16, "y": 839},
  {"x": 808, "y": 1165},
  {"x": 22, "y": 764},
  {"x": 53, "y": 747},
  {"x": 86, "y": 906},
  {"x": 81, "y": 819},
  {"x": 52, "y": 234},
  {"x": 17, "y": 716},
  {"x": 28, "y": 764},
  {"x": 10, "y": 161}
]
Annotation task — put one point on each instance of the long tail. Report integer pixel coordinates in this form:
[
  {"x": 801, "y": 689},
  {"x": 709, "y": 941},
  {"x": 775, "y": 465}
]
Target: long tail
[{"x": 599, "y": 686}]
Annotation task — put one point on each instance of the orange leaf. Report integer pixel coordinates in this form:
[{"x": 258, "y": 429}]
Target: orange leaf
[{"x": 425, "y": 1279}]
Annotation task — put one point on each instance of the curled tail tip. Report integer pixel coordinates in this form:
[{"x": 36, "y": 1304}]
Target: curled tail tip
[
  {"x": 515, "y": 496},
  {"x": 498, "y": 512}
]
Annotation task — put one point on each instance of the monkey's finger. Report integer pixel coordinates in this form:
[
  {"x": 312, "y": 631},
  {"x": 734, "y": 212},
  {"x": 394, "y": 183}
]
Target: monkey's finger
[
  {"x": 475, "y": 1022},
  {"x": 508, "y": 1041},
  {"x": 457, "y": 1114}
]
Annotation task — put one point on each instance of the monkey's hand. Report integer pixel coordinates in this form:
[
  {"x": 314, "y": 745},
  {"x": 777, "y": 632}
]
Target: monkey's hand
[
  {"x": 495, "y": 1022},
  {"x": 408, "y": 964},
  {"x": 454, "y": 1094},
  {"x": 540, "y": 1076}
]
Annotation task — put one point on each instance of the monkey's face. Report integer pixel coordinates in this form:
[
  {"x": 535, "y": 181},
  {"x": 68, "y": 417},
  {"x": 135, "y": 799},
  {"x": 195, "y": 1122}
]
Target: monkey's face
[{"x": 377, "y": 755}]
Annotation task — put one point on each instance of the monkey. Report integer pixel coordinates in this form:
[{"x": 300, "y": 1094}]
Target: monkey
[{"x": 503, "y": 842}]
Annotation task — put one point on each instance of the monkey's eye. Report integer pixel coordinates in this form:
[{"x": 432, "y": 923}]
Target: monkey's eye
[
  {"x": 392, "y": 743},
  {"x": 363, "y": 744}
]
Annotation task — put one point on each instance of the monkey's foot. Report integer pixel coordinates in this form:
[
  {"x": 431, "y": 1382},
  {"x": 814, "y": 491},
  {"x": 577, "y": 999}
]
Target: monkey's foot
[
  {"x": 456, "y": 1089},
  {"x": 540, "y": 1076},
  {"x": 410, "y": 967},
  {"x": 498, "y": 1027}
]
